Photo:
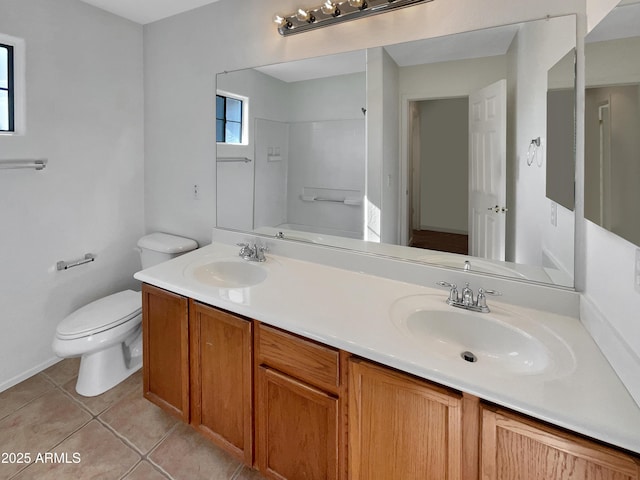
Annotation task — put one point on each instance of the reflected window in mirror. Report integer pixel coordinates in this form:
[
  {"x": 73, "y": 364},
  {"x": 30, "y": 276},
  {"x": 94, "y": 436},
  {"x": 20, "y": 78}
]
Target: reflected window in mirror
[
  {"x": 230, "y": 115},
  {"x": 612, "y": 123}
]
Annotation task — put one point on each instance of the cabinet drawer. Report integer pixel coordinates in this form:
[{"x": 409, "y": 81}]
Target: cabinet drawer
[{"x": 306, "y": 360}]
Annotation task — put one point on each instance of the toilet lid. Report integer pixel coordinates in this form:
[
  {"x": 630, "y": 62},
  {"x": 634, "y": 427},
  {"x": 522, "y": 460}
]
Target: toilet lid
[{"x": 103, "y": 314}]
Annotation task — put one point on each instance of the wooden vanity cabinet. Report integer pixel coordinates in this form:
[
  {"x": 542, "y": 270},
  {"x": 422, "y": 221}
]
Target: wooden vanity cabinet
[
  {"x": 255, "y": 389},
  {"x": 165, "y": 333},
  {"x": 298, "y": 407},
  {"x": 515, "y": 447},
  {"x": 221, "y": 378},
  {"x": 402, "y": 427}
]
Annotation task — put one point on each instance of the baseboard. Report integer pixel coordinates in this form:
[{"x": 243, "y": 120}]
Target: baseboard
[
  {"x": 618, "y": 352},
  {"x": 29, "y": 373}
]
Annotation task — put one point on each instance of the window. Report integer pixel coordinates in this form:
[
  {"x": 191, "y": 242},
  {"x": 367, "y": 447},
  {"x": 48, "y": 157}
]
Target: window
[
  {"x": 231, "y": 114},
  {"x": 6, "y": 89}
]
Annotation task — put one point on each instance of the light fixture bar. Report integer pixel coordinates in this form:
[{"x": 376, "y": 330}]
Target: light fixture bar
[{"x": 332, "y": 12}]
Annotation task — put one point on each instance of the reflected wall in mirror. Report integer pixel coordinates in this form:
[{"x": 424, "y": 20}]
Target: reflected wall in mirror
[
  {"x": 612, "y": 122},
  {"x": 561, "y": 127},
  {"x": 408, "y": 144}
]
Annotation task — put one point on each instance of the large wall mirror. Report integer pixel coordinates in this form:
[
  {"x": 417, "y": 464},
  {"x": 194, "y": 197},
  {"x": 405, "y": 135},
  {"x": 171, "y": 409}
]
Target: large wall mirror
[
  {"x": 612, "y": 122},
  {"x": 433, "y": 151}
]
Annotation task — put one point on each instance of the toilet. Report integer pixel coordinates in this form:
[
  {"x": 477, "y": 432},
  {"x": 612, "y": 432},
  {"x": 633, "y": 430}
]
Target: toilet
[{"x": 107, "y": 333}]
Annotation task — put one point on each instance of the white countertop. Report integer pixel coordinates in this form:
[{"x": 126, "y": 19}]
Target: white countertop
[{"x": 351, "y": 311}]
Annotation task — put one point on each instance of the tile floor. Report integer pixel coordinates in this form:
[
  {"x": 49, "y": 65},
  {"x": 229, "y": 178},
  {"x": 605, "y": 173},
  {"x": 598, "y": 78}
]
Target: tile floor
[{"x": 117, "y": 435}]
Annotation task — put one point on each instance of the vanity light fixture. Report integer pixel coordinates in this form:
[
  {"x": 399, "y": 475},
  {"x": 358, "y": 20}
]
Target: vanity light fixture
[{"x": 331, "y": 12}]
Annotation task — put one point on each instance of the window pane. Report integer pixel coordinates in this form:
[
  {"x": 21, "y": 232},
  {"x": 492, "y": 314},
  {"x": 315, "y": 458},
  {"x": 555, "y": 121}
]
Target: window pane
[
  {"x": 234, "y": 110},
  {"x": 219, "y": 130},
  {"x": 4, "y": 110},
  {"x": 4, "y": 70},
  {"x": 233, "y": 132},
  {"x": 219, "y": 106}
]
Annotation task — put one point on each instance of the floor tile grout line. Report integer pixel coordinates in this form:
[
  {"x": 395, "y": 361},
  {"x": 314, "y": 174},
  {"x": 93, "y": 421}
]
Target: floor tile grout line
[
  {"x": 133, "y": 467},
  {"x": 53, "y": 387},
  {"x": 130, "y": 443},
  {"x": 127, "y": 442},
  {"x": 51, "y": 379},
  {"x": 235, "y": 474},
  {"x": 160, "y": 469},
  {"x": 49, "y": 449},
  {"x": 76, "y": 401},
  {"x": 143, "y": 460}
]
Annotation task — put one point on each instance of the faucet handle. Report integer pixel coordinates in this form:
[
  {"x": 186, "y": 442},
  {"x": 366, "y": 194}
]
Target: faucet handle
[
  {"x": 481, "y": 301},
  {"x": 489, "y": 292},
  {"x": 453, "y": 292},
  {"x": 245, "y": 250}
]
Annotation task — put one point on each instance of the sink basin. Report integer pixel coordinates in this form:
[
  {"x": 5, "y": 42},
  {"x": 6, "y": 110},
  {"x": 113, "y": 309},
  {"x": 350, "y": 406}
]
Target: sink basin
[
  {"x": 499, "y": 342},
  {"x": 228, "y": 273}
]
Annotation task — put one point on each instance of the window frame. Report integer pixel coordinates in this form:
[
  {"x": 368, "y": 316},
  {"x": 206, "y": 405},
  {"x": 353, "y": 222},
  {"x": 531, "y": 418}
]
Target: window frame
[
  {"x": 10, "y": 89},
  {"x": 244, "y": 120},
  {"x": 19, "y": 85}
]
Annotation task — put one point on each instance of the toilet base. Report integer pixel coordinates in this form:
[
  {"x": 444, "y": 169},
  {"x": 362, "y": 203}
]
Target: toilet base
[{"x": 104, "y": 369}]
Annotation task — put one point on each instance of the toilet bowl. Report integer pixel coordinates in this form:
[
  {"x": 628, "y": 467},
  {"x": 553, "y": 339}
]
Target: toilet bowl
[{"x": 107, "y": 333}]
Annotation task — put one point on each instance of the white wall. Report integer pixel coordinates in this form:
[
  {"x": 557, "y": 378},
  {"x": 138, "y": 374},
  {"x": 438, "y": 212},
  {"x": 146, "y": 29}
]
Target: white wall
[
  {"x": 271, "y": 165},
  {"x": 383, "y": 159},
  {"x": 340, "y": 97},
  {"x": 542, "y": 44},
  {"x": 328, "y": 169},
  {"x": 327, "y": 150},
  {"x": 84, "y": 112}
]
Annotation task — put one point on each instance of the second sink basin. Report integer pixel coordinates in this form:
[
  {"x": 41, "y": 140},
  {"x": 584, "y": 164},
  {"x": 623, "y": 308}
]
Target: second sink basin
[
  {"x": 497, "y": 343},
  {"x": 228, "y": 273}
]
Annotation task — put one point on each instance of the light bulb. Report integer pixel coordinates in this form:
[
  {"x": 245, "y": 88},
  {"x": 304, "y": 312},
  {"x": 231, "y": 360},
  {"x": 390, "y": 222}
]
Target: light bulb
[
  {"x": 328, "y": 8},
  {"x": 279, "y": 20},
  {"x": 303, "y": 15}
]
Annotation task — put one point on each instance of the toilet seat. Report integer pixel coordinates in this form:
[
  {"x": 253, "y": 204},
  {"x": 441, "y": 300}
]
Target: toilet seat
[{"x": 101, "y": 315}]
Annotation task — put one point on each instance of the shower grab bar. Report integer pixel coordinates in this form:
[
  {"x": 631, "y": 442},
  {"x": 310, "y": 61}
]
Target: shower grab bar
[
  {"x": 88, "y": 257},
  {"x": 233, "y": 159},
  {"x": 345, "y": 200},
  {"x": 38, "y": 164}
]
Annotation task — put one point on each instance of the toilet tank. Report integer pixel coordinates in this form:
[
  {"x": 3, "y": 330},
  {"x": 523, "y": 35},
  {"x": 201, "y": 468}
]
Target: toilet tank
[{"x": 159, "y": 247}]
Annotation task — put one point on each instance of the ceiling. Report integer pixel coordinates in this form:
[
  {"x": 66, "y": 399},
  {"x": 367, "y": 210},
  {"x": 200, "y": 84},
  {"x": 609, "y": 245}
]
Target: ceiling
[{"x": 147, "y": 11}]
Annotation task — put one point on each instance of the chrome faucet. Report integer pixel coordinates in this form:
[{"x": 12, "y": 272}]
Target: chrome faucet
[
  {"x": 253, "y": 253},
  {"x": 465, "y": 299}
]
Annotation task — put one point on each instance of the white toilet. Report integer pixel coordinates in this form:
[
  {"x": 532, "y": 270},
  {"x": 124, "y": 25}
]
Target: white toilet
[{"x": 107, "y": 333}]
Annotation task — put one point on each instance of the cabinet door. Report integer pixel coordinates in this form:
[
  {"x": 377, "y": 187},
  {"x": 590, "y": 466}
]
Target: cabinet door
[
  {"x": 401, "y": 427},
  {"x": 517, "y": 448},
  {"x": 221, "y": 380},
  {"x": 296, "y": 429},
  {"x": 165, "y": 333}
]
